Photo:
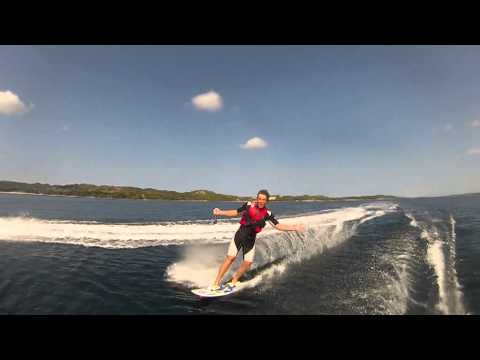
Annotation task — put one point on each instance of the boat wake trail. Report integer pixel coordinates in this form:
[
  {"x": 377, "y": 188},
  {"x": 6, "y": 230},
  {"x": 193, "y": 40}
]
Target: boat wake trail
[
  {"x": 440, "y": 239},
  {"x": 323, "y": 231}
]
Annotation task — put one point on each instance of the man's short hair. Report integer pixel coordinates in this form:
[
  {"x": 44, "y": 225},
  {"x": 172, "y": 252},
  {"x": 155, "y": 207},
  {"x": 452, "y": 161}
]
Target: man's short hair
[{"x": 264, "y": 192}]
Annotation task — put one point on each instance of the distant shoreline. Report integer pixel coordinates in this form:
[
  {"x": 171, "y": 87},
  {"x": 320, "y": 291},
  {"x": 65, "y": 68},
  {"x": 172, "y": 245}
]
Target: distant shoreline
[
  {"x": 109, "y": 198},
  {"x": 136, "y": 193},
  {"x": 25, "y": 193},
  {"x": 239, "y": 201}
]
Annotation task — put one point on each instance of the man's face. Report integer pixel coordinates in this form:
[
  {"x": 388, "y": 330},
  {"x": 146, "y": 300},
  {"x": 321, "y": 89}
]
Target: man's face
[{"x": 261, "y": 200}]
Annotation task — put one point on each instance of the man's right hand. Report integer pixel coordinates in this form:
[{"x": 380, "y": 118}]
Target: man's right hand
[{"x": 216, "y": 211}]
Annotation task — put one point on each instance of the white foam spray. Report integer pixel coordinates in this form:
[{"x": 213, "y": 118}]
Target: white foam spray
[
  {"x": 458, "y": 305},
  {"x": 324, "y": 230},
  {"x": 112, "y": 235},
  {"x": 441, "y": 257}
]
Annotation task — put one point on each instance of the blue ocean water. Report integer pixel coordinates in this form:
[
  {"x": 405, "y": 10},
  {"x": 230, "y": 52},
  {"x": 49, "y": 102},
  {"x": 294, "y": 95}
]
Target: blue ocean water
[{"x": 67, "y": 255}]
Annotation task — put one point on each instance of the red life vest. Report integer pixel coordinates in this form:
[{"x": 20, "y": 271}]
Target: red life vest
[{"x": 255, "y": 217}]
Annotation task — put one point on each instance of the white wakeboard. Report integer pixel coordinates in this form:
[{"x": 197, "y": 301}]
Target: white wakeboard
[{"x": 204, "y": 292}]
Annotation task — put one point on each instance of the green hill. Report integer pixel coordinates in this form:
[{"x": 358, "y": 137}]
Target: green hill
[{"x": 128, "y": 192}]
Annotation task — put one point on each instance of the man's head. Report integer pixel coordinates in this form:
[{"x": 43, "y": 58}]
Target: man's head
[{"x": 262, "y": 197}]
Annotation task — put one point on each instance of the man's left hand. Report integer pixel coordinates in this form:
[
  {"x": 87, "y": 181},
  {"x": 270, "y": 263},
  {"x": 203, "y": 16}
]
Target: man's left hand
[{"x": 301, "y": 228}]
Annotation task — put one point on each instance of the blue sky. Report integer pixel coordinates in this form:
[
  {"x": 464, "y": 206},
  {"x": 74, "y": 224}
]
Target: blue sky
[{"x": 334, "y": 120}]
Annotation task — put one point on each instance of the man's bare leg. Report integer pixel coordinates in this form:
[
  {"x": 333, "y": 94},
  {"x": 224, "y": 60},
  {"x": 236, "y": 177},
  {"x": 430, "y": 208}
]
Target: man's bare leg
[
  {"x": 241, "y": 270},
  {"x": 224, "y": 268}
]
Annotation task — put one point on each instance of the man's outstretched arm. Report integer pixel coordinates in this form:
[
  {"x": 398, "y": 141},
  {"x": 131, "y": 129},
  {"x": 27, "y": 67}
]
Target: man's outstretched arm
[
  {"x": 230, "y": 213},
  {"x": 295, "y": 227},
  {"x": 284, "y": 227}
]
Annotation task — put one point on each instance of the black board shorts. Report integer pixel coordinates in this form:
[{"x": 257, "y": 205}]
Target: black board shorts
[{"x": 244, "y": 240}]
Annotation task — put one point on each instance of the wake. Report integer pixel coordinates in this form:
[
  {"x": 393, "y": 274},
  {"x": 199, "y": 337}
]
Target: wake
[
  {"x": 441, "y": 256},
  {"x": 278, "y": 249}
]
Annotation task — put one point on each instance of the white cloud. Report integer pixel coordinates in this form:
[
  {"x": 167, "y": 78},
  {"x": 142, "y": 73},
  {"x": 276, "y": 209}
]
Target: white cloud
[
  {"x": 255, "y": 143},
  {"x": 448, "y": 127},
  {"x": 10, "y": 104},
  {"x": 475, "y": 123},
  {"x": 473, "y": 151},
  {"x": 209, "y": 101}
]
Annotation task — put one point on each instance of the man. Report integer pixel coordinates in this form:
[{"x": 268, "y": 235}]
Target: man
[{"x": 254, "y": 217}]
